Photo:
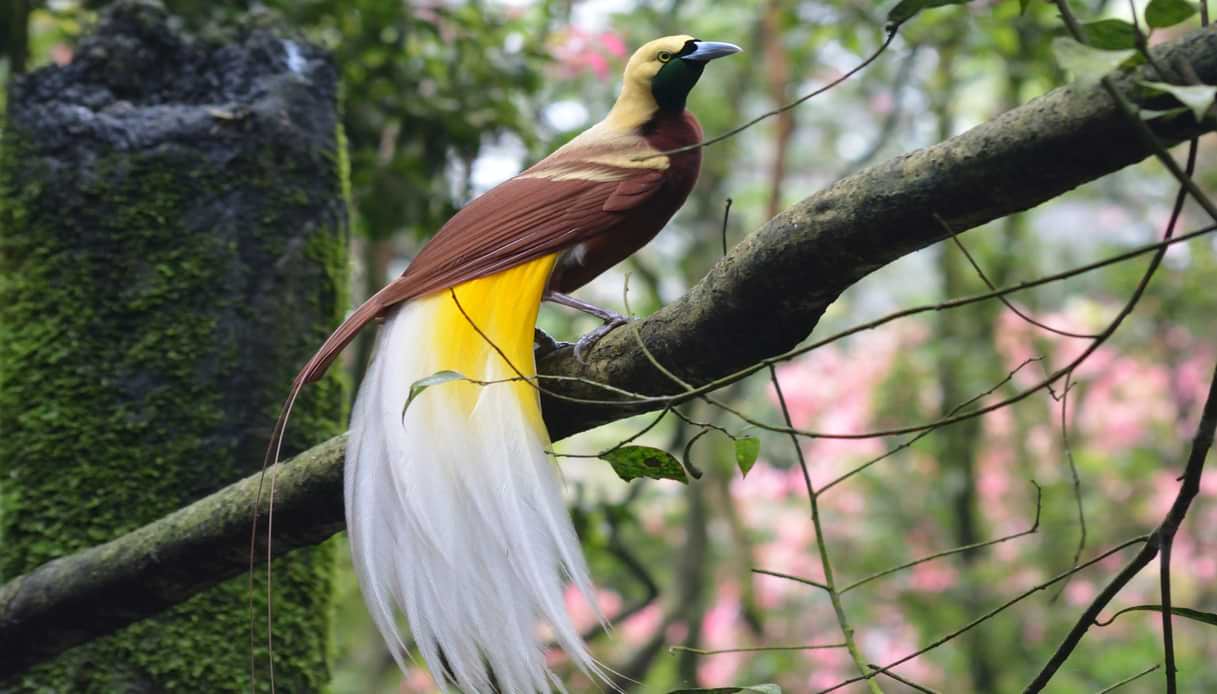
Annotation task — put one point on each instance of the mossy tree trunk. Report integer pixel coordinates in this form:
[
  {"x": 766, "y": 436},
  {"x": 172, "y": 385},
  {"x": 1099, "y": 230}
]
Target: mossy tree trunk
[{"x": 173, "y": 234}]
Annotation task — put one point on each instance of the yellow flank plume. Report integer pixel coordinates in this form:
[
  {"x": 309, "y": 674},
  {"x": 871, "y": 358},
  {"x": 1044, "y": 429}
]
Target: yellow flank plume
[{"x": 504, "y": 308}]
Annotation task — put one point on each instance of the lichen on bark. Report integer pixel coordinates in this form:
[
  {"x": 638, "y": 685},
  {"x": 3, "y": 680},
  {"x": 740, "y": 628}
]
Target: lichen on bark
[{"x": 172, "y": 244}]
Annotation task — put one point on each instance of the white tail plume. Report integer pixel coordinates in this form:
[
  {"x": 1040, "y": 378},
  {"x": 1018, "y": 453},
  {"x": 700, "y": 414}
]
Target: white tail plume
[{"x": 454, "y": 511}]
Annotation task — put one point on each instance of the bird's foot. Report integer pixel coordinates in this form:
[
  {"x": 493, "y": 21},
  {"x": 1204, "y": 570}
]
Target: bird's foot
[
  {"x": 543, "y": 345},
  {"x": 589, "y": 340},
  {"x": 611, "y": 319},
  {"x": 582, "y": 306}
]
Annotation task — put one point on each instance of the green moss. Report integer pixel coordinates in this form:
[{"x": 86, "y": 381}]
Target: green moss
[{"x": 146, "y": 342}]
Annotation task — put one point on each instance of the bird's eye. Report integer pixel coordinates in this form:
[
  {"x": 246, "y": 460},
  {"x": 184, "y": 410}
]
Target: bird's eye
[{"x": 664, "y": 56}]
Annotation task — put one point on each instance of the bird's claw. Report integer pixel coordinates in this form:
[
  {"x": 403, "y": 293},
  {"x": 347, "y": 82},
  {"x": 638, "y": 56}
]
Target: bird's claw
[
  {"x": 543, "y": 345},
  {"x": 589, "y": 340}
]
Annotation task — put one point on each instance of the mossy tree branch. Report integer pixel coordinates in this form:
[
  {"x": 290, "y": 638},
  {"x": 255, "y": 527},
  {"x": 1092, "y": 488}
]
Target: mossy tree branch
[{"x": 761, "y": 299}]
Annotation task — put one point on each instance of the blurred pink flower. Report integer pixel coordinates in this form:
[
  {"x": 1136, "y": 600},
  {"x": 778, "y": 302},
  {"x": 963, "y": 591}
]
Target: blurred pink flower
[
  {"x": 614, "y": 44},
  {"x": 418, "y": 681},
  {"x": 642, "y": 625},
  {"x": 582, "y": 614},
  {"x": 933, "y": 577},
  {"x": 677, "y": 632},
  {"x": 1080, "y": 592},
  {"x": 881, "y": 103},
  {"x": 1162, "y": 496},
  {"x": 62, "y": 54},
  {"x": 720, "y": 669},
  {"x": 764, "y": 483},
  {"x": 579, "y": 51}
]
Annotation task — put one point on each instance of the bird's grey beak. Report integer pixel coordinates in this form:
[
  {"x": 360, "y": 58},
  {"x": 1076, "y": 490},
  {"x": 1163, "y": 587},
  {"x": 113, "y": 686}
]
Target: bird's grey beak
[{"x": 705, "y": 51}]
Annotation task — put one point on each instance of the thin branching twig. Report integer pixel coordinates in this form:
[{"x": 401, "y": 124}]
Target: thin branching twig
[
  {"x": 1129, "y": 680},
  {"x": 1035, "y": 525},
  {"x": 990, "y": 614},
  {"x": 903, "y": 680},
  {"x": 755, "y": 649},
  {"x": 822, "y": 543}
]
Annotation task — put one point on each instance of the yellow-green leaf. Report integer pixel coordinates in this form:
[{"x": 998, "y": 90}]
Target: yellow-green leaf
[
  {"x": 417, "y": 387},
  {"x": 1087, "y": 64},
  {"x": 1199, "y": 98},
  {"x": 747, "y": 448},
  {"x": 632, "y": 462}
]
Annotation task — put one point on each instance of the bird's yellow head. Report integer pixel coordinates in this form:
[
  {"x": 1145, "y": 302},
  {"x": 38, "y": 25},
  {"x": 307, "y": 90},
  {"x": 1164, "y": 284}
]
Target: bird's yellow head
[{"x": 661, "y": 74}]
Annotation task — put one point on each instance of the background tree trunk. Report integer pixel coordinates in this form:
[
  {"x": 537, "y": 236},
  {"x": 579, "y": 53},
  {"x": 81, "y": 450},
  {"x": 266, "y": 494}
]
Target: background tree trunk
[{"x": 173, "y": 234}]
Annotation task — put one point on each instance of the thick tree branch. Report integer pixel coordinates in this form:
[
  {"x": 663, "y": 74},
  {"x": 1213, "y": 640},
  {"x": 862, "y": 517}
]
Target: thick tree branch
[{"x": 758, "y": 301}]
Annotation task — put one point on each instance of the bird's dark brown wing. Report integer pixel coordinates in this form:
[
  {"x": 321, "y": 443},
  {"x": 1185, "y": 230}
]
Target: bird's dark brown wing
[{"x": 523, "y": 219}]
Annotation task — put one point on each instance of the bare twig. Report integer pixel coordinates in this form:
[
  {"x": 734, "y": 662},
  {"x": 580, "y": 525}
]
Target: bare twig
[
  {"x": 755, "y": 649},
  {"x": 821, "y": 543},
  {"x": 903, "y": 680},
  {"x": 1129, "y": 680},
  {"x": 1035, "y": 524},
  {"x": 990, "y": 614},
  {"x": 1008, "y": 304},
  {"x": 896, "y": 449},
  {"x": 726, "y": 216},
  {"x": 797, "y": 579},
  {"x": 1164, "y": 534},
  {"x": 1073, "y": 472}
]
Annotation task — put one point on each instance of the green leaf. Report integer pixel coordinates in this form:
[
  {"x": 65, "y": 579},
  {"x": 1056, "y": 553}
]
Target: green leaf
[
  {"x": 1198, "y": 98},
  {"x": 1087, "y": 64},
  {"x": 1151, "y": 114},
  {"x": 750, "y": 689},
  {"x": 1165, "y": 13},
  {"x": 1110, "y": 34},
  {"x": 747, "y": 448},
  {"x": 1186, "y": 612},
  {"x": 632, "y": 462},
  {"x": 1022, "y": 7},
  {"x": 907, "y": 9},
  {"x": 417, "y": 387}
]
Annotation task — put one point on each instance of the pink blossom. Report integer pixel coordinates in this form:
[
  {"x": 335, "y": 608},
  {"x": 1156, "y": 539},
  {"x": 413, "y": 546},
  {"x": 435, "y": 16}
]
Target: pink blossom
[
  {"x": 1080, "y": 592},
  {"x": 994, "y": 479},
  {"x": 1203, "y": 569},
  {"x": 720, "y": 669},
  {"x": 676, "y": 632},
  {"x": 881, "y": 103},
  {"x": 418, "y": 681},
  {"x": 1208, "y": 484},
  {"x": 578, "y": 51},
  {"x": 934, "y": 577},
  {"x": 614, "y": 44},
  {"x": 62, "y": 54},
  {"x": 1162, "y": 496},
  {"x": 763, "y": 483},
  {"x": 582, "y": 614},
  {"x": 644, "y": 623}
]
